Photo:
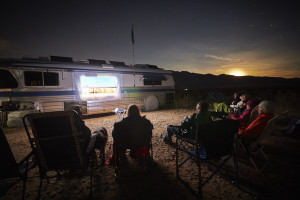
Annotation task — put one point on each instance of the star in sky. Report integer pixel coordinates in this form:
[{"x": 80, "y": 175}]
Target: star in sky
[{"x": 258, "y": 38}]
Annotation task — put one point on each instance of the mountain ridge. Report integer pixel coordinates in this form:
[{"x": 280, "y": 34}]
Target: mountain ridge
[{"x": 187, "y": 80}]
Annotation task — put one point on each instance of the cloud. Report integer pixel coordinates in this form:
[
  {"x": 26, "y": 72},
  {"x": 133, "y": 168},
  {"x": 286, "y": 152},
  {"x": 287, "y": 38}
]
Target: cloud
[{"x": 218, "y": 58}]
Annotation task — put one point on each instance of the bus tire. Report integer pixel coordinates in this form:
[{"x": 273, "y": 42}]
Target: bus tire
[{"x": 151, "y": 103}]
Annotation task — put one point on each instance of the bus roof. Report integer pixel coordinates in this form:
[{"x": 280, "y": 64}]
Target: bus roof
[{"x": 86, "y": 65}]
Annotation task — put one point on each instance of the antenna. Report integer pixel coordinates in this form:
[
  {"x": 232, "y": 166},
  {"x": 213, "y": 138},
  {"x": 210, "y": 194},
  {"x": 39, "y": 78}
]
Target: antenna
[{"x": 132, "y": 40}]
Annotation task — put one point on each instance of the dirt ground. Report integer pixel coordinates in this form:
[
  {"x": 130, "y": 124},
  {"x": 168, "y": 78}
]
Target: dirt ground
[{"x": 279, "y": 180}]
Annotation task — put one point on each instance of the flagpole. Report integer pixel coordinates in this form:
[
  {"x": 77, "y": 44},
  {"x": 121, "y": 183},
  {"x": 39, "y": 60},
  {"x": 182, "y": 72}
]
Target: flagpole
[
  {"x": 132, "y": 40},
  {"x": 133, "y": 54},
  {"x": 133, "y": 60}
]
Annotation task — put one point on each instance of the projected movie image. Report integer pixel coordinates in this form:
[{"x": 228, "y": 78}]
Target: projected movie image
[{"x": 98, "y": 87}]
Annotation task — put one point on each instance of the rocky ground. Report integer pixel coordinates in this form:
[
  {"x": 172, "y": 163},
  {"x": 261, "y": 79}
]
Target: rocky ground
[{"x": 279, "y": 180}]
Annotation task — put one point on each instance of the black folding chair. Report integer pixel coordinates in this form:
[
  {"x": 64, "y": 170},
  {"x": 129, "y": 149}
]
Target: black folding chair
[
  {"x": 133, "y": 135},
  {"x": 253, "y": 115},
  {"x": 55, "y": 141},
  {"x": 10, "y": 169},
  {"x": 215, "y": 144}
]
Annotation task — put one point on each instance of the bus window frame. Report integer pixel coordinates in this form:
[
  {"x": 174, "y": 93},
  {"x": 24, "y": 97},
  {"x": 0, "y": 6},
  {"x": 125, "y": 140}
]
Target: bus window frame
[{"x": 58, "y": 72}]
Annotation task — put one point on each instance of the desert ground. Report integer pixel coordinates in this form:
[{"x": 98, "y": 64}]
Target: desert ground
[{"x": 279, "y": 180}]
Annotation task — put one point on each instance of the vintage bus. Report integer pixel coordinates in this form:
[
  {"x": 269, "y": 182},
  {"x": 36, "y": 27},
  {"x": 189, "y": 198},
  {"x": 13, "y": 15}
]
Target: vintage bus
[{"x": 56, "y": 83}]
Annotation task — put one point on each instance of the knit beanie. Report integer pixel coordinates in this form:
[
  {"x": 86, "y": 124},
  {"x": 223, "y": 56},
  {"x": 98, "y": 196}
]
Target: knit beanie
[
  {"x": 267, "y": 106},
  {"x": 253, "y": 102}
]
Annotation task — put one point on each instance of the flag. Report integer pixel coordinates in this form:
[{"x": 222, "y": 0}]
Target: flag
[{"x": 132, "y": 35}]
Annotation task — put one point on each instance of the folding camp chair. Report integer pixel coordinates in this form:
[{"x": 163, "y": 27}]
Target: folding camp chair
[
  {"x": 253, "y": 115},
  {"x": 134, "y": 135},
  {"x": 256, "y": 148},
  {"x": 10, "y": 169},
  {"x": 55, "y": 141},
  {"x": 215, "y": 141}
]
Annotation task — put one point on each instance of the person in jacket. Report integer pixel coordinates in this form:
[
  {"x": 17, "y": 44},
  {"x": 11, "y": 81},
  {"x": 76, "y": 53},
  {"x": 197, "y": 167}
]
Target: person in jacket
[
  {"x": 236, "y": 98},
  {"x": 189, "y": 124},
  {"x": 144, "y": 130},
  {"x": 266, "y": 112},
  {"x": 89, "y": 141},
  {"x": 245, "y": 117}
]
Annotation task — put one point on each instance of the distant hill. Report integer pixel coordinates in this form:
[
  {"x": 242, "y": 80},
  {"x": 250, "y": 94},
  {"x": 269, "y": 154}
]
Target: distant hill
[{"x": 187, "y": 80}]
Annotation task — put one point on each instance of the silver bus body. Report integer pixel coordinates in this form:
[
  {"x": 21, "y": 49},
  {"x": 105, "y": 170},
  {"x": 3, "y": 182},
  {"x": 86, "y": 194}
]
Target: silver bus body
[{"x": 97, "y": 88}]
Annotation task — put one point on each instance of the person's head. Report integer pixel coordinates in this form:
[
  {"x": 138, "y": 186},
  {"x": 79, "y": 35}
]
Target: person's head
[
  {"x": 236, "y": 95},
  {"x": 266, "y": 106},
  {"x": 133, "y": 110},
  {"x": 244, "y": 97},
  {"x": 252, "y": 103},
  {"x": 202, "y": 106}
]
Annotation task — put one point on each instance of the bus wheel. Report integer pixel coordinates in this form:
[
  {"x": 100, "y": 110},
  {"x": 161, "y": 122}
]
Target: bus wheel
[{"x": 151, "y": 103}]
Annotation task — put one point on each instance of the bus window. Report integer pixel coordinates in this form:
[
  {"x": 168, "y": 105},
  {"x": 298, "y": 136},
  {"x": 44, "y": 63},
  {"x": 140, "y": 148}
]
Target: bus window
[
  {"x": 153, "y": 79},
  {"x": 33, "y": 78},
  {"x": 7, "y": 80},
  {"x": 152, "y": 82},
  {"x": 50, "y": 79}
]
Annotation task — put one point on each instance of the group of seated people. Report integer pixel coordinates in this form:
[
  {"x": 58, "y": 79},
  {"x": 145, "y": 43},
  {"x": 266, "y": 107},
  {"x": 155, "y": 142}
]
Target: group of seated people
[
  {"x": 237, "y": 106},
  {"x": 97, "y": 140},
  {"x": 248, "y": 131}
]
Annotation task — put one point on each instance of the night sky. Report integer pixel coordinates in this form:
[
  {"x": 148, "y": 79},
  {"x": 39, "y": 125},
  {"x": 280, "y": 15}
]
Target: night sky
[{"x": 245, "y": 37}]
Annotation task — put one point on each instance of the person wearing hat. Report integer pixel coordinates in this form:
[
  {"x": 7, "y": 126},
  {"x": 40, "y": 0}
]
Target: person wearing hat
[
  {"x": 266, "y": 112},
  {"x": 245, "y": 117}
]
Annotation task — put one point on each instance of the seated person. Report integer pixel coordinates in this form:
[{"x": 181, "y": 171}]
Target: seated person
[
  {"x": 89, "y": 141},
  {"x": 138, "y": 125},
  {"x": 236, "y": 99},
  {"x": 189, "y": 123},
  {"x": 240, "y": 107},
  {"x": 245, "y": 117},
  {"x": 265, "y": 111}
]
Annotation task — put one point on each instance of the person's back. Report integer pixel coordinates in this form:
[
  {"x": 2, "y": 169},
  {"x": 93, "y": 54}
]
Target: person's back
[
  {"x": 84, "y": 131},
  {"x": 88, "y": 140},
  {"x": 203, "y": 117},
  {"x": 189, "y": 124},
  {"x": 133, "y": 132}
]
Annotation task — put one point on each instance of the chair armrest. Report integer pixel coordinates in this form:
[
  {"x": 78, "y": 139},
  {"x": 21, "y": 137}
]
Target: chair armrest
[
  {"x": 26, "y": 158},
  {"x": 25, "y": 165},
  {"x": 186, "y": 139}
]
